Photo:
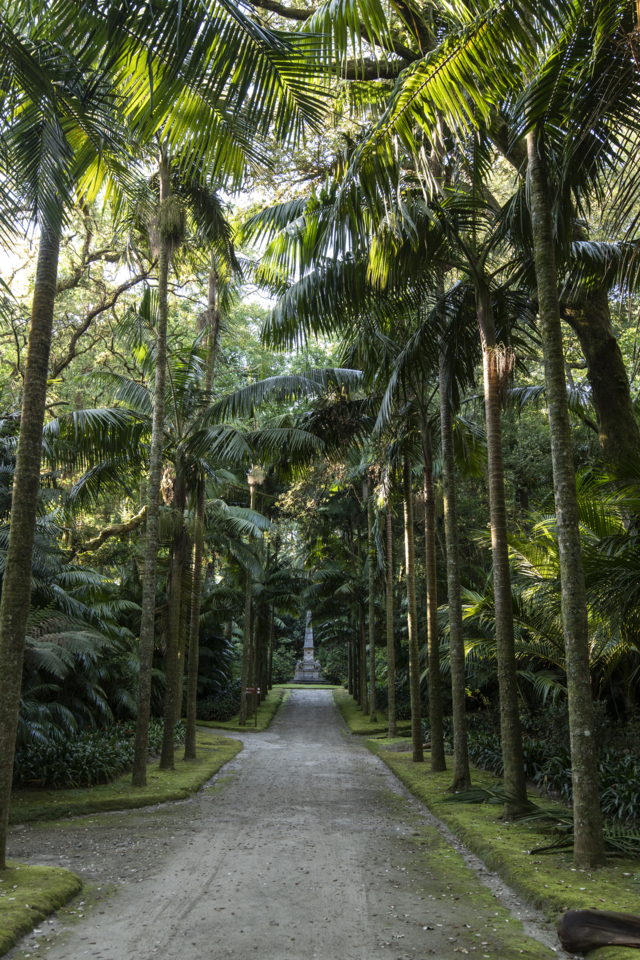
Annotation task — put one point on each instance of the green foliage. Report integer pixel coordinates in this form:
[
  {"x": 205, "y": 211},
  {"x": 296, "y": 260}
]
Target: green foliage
[
  {"x": 284, "y": 665},
  {"x": 84, "y": 760},
  {"x": 222, "y": 705}
]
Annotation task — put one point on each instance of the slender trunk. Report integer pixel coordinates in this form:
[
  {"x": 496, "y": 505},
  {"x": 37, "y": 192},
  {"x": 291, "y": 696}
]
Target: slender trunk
[
  {"x": 194, "y": 622},
  {"x": 364, "y": 693},
  {"x": 588, "y": 843},
  {"x": 173, "y": 663},
  {"x": 461, "y": 771},
  {"x": 412, "y": 616},
  {"x": 356, "y": 666},
  {"x": 148, "y": 612},
  {"x": 438, "y": 762},
  {"x": 16, "y": 583},
  {"x": 198, "y": 545},
  {"x": 271, "y": 635},
  {"x": 514, "y": 777},
  {"x": 363, "y": 698},
  {"x": 373, "y": 716},
  {"x": 246, "y": 633},
  {"x": 391, "y": 654},
  {"x": 257, "y": 663},
  {"x": 246, "y": 649}
]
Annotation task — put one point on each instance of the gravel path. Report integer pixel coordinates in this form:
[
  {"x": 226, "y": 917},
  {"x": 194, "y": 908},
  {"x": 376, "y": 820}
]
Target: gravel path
[{"x": 304, "y": 846}]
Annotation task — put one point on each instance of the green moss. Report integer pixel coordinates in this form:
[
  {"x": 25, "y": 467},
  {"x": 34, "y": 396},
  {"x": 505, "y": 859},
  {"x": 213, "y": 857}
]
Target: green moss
[
  {"x": 162, "y": 786},
  {"x": 549, "y": 882},
  {"x": 356, "y": 720},
  {"x": 38, "y": 892},
  {"x": 451, "y": 879},
  {"x": 266, "y": 713},
  {"x": 613, "y": 953}
]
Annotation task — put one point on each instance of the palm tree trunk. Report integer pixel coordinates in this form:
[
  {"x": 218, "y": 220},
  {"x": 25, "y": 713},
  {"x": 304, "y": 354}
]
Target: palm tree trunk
[
  {"x": 588, "y": 843},
  {"x": 514, "y": 777},
  {"x": 412, "y": 615},
  {"x": 373, "y": 716},
  {"x": 391, "y": 653},
  {"x": 194, "y": 622},
  {"x": 364, "y": 693},
  {"x": 198, "y": 545},
  {"x": 461, "y": 771},
  {"x": 246, "y": 648},
  {"x": 172, "y": 660},
  {"x": 438, "y": 762},
  {"x": 148, "y": 612},
  {"x": 16, "y": 583},
  {"x": 271, "y": 638},
  {"x": 246, "y": 632}
]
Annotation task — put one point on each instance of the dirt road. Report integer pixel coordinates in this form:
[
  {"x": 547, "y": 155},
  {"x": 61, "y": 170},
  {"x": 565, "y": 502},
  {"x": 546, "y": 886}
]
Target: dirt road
[{"x": 304, "y": 846}]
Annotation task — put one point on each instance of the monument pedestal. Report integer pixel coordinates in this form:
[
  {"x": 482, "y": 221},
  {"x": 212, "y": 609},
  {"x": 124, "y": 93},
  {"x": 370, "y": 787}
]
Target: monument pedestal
[{"x": 308, "y": 670}]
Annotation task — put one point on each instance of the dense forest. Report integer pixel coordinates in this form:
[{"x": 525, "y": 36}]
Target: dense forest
[{"x": 329, "y": 309}]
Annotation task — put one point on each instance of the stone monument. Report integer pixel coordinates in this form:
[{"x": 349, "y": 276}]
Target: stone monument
[{"x": 308, "y": 670}]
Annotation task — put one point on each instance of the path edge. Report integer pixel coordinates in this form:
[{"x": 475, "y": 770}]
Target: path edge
[
  {"x": 64, "y": 810},
  {"x": 491, "y": 855},
  {"x": 61, "y": 886}
]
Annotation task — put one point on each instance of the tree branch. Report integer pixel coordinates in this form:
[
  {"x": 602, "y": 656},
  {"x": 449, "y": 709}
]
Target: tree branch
[
  {"x": 106, "y": 304},
  {"x": 114, "y": 530}
]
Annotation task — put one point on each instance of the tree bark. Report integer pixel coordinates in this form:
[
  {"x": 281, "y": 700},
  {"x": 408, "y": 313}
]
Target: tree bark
[
  {"x": 173, "y": 663},
  {"x": 412, "y": 616},
  {"x": 391, "y": 653},
  {"x": 271, "y": 637},
  {"x": 247, "y": 629},
  {"x": 438, "y": 762},
  {"x": 364, "y": 693},
  {"x": 514, "y": 777},
  {"x": 198, "y": 545},
  {"x": 461, "y": 770},
  {"x": 246, "y": 644},
  {"x": 148, "y": 613},
  {"x": 194, "y": 622},
  {"x": 16, "y": 583},
  {"x": 373, "y": 716},
  {"x": 588, "y": 843},
  {"x": 618, "y": 430}
]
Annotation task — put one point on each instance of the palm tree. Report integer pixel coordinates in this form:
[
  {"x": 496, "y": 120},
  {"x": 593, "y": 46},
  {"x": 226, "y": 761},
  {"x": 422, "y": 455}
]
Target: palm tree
[
  {"x": 412, "y": 617},
  {"x": 61, "y": 121},
  {"x": 391, "y": 653}
]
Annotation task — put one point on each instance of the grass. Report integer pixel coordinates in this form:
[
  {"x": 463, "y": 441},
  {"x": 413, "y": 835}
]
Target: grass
[
  {"x": 266, "y": 713},
  {"x": 308, "y": 686},
  {"x": 162, "y": 786},
  {"x": 356, "y": 720},
  {"x": 550, "y": 881},
  {"x": 27, "y": 895}
]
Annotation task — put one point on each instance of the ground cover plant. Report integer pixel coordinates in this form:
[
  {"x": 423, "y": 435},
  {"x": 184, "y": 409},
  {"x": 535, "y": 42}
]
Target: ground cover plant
[
  {"x": 119, "y": 794},
  {"x": 86, "y": 759}
]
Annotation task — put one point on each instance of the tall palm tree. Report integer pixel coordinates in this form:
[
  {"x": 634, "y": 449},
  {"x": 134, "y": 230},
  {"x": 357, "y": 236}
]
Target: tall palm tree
[{"x": 61, "y": 122}]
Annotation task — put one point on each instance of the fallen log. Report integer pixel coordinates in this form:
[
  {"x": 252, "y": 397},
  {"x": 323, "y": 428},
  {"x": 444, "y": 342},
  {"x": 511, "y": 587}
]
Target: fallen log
[{"x": 582, "y": 930}]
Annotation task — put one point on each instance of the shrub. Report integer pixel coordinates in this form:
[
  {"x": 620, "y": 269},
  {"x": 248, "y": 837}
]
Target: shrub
[
  {"x": 220, "y": 706},
  {"x": 618, "y": 777},
  {"x": 85, "y": 759}
]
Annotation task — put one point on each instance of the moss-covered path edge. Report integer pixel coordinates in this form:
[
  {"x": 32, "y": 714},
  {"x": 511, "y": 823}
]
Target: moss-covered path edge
[
  {"x": 355, "y": 719},
  {"x": 162, "y": 786},
  {"x": 28, "y": 895},
  {"x": 549, "y": 882},
  {"x": 266, "y": 712}
]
